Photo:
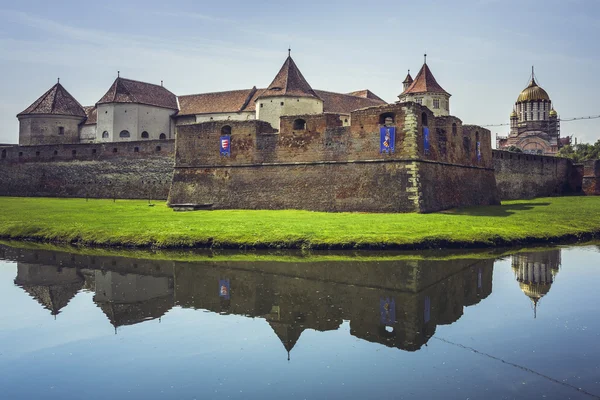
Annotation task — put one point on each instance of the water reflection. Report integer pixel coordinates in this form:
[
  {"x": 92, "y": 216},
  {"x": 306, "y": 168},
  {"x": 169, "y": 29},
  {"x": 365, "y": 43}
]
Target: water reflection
[
  {"x": 535, "y": 273},
  {"x": 395, "y": 303}
]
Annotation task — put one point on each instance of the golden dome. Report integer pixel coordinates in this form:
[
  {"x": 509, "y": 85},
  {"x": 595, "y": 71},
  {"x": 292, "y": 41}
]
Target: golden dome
[
  {"x": 533, "y": 93},
  {"x": 553, "y": 113},
  {"x": 534, "y": 291},
  {"x": 513, "y": 114}
]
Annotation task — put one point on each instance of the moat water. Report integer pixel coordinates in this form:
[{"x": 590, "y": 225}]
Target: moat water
[{"x": 101, "y": 325}]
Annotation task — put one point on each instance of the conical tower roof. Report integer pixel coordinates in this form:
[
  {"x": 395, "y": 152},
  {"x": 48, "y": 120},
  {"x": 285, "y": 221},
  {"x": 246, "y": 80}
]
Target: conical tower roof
[
  {"x": 56, "y": 101},
  {"x": 424, "y": 83},
  {"x": 408, "y": 78},
  {"x": 289, "y": 81}
]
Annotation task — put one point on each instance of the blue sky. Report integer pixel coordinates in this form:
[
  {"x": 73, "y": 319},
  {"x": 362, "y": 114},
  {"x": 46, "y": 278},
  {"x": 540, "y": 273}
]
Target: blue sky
[{"x": 479, "y": 51}]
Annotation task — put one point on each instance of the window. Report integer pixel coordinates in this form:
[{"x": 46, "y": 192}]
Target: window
[
  {"x": 158, "y": 148},
  {"x": 136, "y": 149},
  {"x": 538, "y": 115},
  {"x": 124, "y": 134},
  {"x": 424, "y": 119},
  {"x": 93, "y": 151},
  {"x": 61, "y": 130},
  {"x": 20, "y": 154},
  {"x": 387, "y": 119},
  {"x": 524, "y": 116},
  {"x": 145, "y": 135},
  {"x": 419, "y": 100},
  {"x": 3, "y": 153},
  {"x": 282, "y": 103},
  {"x": 436, "y": 103},
  {"x": 114, "y": 150},
  {"x": 442, "y": 141},
  {"x": 226, "y": 130},
  {"x": 37, "y": 153},
  {"x": 532, "y": 115},
  {"x": 454, "y": 129},
  {"x": 299, "y": 125},
  {"x": 104, "y": 135},
  {"x": 55, "y": 152},
  {"x": 73, "y": 153},
  {"x": 261, "y": 105},
  {"x": 162, "y": 136}
]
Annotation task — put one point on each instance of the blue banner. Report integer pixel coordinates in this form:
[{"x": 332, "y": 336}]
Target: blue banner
[
  {"x": 225, "y": 145},
  {"x": 224, "y": 289},
  {"x": 478, "y": 149},
  {"x": 387, "y": 139},
  {"x": 387, "y": 309},
  {"x": 426, "y": 139}
]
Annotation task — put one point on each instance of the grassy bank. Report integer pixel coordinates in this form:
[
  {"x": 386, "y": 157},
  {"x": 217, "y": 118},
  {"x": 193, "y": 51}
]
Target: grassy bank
[{"x": 134, "y": 223}]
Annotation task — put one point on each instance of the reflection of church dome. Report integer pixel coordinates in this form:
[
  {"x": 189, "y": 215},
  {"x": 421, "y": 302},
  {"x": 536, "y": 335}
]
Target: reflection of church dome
[
  {"x": 535, "y": 273},
  {"x": 533, "y": 93}
]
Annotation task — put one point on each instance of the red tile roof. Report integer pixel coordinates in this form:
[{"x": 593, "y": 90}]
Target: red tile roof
[
  {"x": 289, "y": 82},
  {"x": 408, "y": 78},
  {"x": 56, "y": 101},
  {"x": 366, "y": 93},
  {"x": 219, "y": 102},
  {"x": 92, "y": 115},
  {"x": 130, "y": 91},
  {"x": 425, "y": 83},
  {"x": 345, "y": 103}
]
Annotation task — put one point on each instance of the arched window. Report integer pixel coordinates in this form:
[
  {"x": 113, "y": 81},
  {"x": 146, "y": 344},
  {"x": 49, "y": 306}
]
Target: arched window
[
  {"x": 467, "y": 146},
  {"x": 424, "y": 119},
  {"x": 124, "y": 134},
  {"x": 454, "y": 129},
  {"x": 299, "y": 125},
  {"x": 226, "y": 130},
  {"x": 145, "y": 135},
  {"x": 387, "y": 119},
  {"x": 105, "y": 135},
  {"x": 162, "y": 136}
]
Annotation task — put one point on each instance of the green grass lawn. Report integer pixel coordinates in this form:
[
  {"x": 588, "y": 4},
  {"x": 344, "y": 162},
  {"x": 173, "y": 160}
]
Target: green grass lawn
[{"x": 134, "y": 223}]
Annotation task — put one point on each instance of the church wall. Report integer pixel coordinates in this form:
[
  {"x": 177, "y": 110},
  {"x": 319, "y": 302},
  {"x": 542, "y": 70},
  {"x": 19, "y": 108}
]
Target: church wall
[
  {"x": 87, "y": 134},
  {"x": 241, "y": 116},
  {"x": 125, "y": 173},
  {"x": 44, "y": 129},
  {"x": 134, "y": 118},
  {"x": 525, "y": 176},
  {"x": 271, "y": 108}
]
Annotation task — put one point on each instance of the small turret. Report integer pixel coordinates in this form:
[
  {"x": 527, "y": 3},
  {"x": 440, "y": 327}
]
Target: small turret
[{"x": 407, "y": 81}]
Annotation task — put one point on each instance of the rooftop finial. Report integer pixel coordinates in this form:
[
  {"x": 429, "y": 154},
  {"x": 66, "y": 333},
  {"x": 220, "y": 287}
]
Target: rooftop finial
[
  {"x": 118, "y": 74},
  {"x": 289, "y": 51},
  {"x": 425, "y": 56},
  {"x": 58, "y": 80},
  {"x": 161, "y": 82}
]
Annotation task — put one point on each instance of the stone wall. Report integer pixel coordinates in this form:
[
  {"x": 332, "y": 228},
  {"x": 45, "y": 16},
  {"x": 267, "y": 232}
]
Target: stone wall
[
  {"x": 525, "y": 176},
  {"x": 591, "y": 177},
  {"x": 326, "y": 166},
  {"x": 131, "y": 170}
]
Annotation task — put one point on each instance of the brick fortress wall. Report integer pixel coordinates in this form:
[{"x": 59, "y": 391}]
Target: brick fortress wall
[
  {"x": 127, "y": 170},
  {"x": 328, "y": 167},
  {"x": 525, "y": 176}
]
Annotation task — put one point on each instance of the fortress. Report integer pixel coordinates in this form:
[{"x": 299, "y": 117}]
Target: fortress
[{"x": 281, "y": 147}]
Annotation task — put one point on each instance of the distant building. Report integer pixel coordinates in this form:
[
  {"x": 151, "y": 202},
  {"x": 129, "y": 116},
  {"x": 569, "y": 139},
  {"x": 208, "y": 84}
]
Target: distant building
[{"x": 534, "y": 124}]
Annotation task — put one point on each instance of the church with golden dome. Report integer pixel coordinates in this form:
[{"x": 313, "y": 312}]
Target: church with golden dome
[{"x": 534, "y": 123}]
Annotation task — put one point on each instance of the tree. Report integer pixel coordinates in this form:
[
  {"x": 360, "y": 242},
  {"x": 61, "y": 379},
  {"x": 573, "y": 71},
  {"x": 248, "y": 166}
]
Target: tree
[
  {"x": 514, "y": 149},
  {"x": 581, "y": 152}
]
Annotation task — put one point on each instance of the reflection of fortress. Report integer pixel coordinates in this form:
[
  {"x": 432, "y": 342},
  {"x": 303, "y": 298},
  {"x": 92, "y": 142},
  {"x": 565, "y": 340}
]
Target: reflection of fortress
[
  {"x": 395, "y": 303},
  {"x": 535, "y": 273}
]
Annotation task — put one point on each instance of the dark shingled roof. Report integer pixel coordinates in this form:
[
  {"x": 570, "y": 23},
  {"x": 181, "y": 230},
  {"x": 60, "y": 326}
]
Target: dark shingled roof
[
  {"x": 56, "y": 101},
  {"x": 219, "y": 102},
  {"x": 130, "y": 91},
  {"x": 289, "y": 82},
  {"x": 425, "y": 83},
  {"x": 408, "y": 78},
  {"x": 366, "y": 93},
  {"x": 346, "y": 103},
  {"x": 92, "y": 115}
]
